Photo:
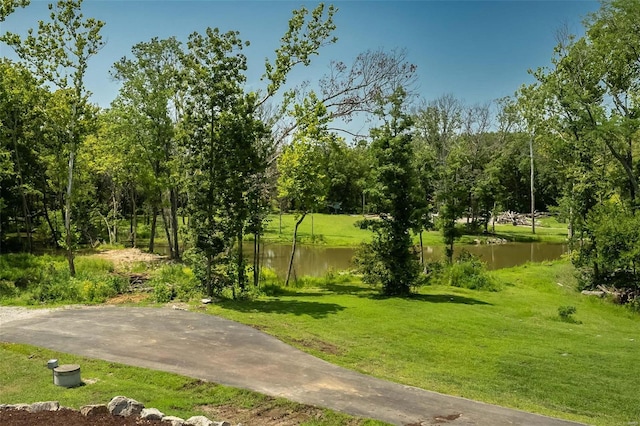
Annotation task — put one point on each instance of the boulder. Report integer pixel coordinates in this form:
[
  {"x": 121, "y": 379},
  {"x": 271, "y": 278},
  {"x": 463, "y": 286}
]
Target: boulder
[
  {"x": 198, "y": 421},
  {"x": 173, "y": 421},
  {"x": 22, "y": 407},
  {"x": 37, "y": 407},
  {"x": 151, "y": 414},
  {"x": 124, "y": 407},
  {"x": 94, "y": 410}
]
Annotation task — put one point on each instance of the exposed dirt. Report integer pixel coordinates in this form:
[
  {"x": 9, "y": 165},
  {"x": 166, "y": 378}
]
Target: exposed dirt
[
  {"x": 268, "y": 415},
  {"x": 67, "y": 417},
  {"x": 319, "y": 345},
  {"x": 127, "y": 256},
  {"x": 127, "y": 298},
  {"x": 265, "y": 415}
]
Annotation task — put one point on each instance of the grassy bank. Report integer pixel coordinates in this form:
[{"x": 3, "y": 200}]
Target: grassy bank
[
  {"x": 24, "y": 378},
  {"x": 509, "y": 347},
  {"x": 340, "y": 231}
]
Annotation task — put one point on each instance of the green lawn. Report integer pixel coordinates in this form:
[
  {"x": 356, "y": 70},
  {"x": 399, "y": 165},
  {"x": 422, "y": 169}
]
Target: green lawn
[
  {"x": 340, "y": 230},
  {"x": 508, "y": 347},
  {"x": 24, "y": 378}
]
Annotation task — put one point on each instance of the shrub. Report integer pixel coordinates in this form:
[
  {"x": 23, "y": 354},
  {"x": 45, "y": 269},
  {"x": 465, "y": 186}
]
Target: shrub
[
  {"x": 566, "y": 313},
  {"x": 467, "y": 271},
  {"x": 611, "y": 254},
  {"x": 174, "y": 281}
]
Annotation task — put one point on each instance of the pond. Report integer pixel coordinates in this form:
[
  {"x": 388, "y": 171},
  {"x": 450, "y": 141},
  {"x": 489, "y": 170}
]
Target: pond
[{"x": 316, "y": 261}]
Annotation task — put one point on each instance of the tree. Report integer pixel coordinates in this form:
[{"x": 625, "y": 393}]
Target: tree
[
  {"x": 59, "y": 53},
  {"x": 7, "y": 7},
  {"x": 21, "y": 119},
  {"x": 151, "y": 91},
  {"x": 437, "y": 128},
  {"x": 301, "y": 179},
  {"x": 390, "y": 258},
  {"x": 592, "y": 116},
  {"x": 221, "y": 137}
]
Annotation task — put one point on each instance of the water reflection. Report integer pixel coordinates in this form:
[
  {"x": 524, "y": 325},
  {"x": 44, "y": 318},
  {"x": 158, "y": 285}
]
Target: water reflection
[{"x": 317, "y": 261}]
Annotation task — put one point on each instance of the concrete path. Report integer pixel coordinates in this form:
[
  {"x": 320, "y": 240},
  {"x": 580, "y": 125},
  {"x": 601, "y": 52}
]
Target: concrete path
[{"x": 223, "y": 351}]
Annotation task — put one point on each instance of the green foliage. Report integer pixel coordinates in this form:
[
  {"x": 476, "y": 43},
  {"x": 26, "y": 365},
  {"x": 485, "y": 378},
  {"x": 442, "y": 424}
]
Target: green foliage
[
  {"x": 566, "y": 313},
  {"x": 467, "y": 271},
  {"x": 30, "y": 279},
  {"x": 174, "y": 281},
  {"x": 390, "y": 258},
  {"x": 611, "y": 254}
]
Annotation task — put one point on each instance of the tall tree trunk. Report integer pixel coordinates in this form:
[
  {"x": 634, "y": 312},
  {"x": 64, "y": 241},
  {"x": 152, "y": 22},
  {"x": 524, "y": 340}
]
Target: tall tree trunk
[
  {"x": 25, "y": 204},
  {"x": 242, "y": 277},
  {"x": 154, "y": 222},
  {"x": 256, "y": 259},
  {"x": 173, "y": 195},
  {"x": 115, "y": 214},
  {"x": 134, "y": 218},
  {"x": 533, "y": 200},
  {"x": 293, "y": 248},
  {"x": 166, "y": 220},
  {"x": 209, "y": 277},
  {"x": 54, "y": 233},
  {"x": 421, "y": 251},
  {"x": 67, "y": 215}
]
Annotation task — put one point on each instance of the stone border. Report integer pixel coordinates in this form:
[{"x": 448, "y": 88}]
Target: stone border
[{"x": 119, "y": 406}]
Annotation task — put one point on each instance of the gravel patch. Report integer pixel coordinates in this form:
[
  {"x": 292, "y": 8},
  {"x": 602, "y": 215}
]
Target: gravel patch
[{"x": 15, "y": 313}]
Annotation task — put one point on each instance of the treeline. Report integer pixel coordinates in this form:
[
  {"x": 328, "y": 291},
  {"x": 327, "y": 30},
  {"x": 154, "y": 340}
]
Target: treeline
[{"x": 188, "y": 152}]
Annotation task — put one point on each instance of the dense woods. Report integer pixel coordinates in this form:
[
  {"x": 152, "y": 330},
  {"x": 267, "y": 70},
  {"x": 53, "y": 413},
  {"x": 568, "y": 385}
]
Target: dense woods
[{"x": 187, "y": 154}]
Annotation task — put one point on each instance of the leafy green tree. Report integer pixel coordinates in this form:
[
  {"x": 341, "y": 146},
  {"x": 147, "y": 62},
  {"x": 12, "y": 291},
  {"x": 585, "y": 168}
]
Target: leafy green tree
[
  {"x": 21, "y": 119},
  {"x": 59, "y": 53},
  {"x": 152, "y": 91},
  {"x": 221, "y": 140},
  {"x": 7, "y": 7},
  {"x": 591, "y": 119},
  {"x": 301, "y": 173},
  {"x": 437, "y": 126},
  {"x": 390, "y": 258}
]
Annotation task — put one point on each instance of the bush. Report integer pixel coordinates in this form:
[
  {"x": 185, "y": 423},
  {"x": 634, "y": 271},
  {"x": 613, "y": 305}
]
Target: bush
[
  {"x": 611, "y": 254},
  {"x": 467, "y": 271},
  {"x": 566, "y": 313},
  {"x": 174, "y": 281}
]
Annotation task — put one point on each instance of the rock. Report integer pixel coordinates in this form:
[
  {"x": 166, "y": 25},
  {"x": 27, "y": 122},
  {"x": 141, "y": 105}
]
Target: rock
[
  {"x": 199, "y": 421},
  {"x": 593, "y": 293},
  {"x": 206, "y": 301},
  {"x": 221, "y": 424},
  {"x": 152, "y": 414},
  {"x": 125, "y": 407},
  {"x": 94, "y": 410},
  {"x": 37, "y": 407},
  {"x": 173, "y": 420},
  {"x": 22, "y": 407}
]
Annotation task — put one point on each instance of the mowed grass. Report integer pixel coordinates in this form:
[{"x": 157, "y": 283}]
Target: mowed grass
[
  {"x": 508, "y": 347},
  {"x": 24, "y": 378},
  {"x": 341, "y": 231},
  {"x": 325, "y": 229}
]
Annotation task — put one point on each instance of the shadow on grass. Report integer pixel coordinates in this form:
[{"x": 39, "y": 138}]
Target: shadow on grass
[
  {"x": 437, "y": 298},
  {"x": 347, "y": 289},
  {"x": 313, "y": 309},
  {"x": 325, "y": 289}
]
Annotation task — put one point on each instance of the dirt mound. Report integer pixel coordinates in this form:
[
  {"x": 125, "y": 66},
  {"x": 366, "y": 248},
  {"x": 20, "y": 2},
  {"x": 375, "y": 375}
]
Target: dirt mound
[
  {"x": 67, "y": 417},
  {"x": 129, "y": 255}
]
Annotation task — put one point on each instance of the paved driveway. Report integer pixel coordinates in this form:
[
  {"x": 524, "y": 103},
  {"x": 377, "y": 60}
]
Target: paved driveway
[{"x": 222, "y": 351}]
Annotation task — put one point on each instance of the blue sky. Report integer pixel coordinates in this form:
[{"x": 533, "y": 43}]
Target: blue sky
[{"x": 476, "y": 50}]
